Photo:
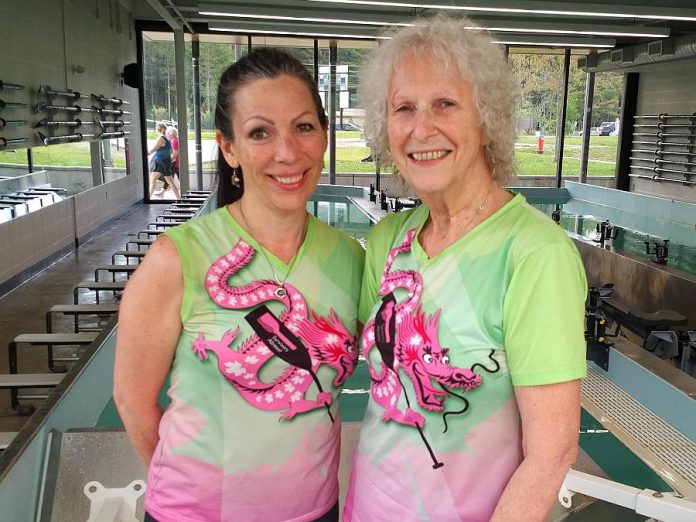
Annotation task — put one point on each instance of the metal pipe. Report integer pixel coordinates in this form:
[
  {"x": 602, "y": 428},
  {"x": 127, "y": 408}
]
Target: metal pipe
[
  {"x": 12, "y": 105},
  {"x": 586, "y": 123},
  {"x": 657, "y": 161},
  {"x": 661, "y": 125},
  {"x": 46, "y": 90},
  {"x": 664, "y": 143},
  {"x": 66, "y": 138},
  {"x": 114, "y": 101},
  {"x": 198, "y": 137},
  {"x": 12, "y": 123},
  {"x": 113, "y": 112},
  {"x": 664, "y": 134},
  {"x": 659, "y": 178},
  {"x": 560, "y": 135},
  {"x": 72, "y": 123},
  {"x": 40, "y": 107},
  {"x": 11, "y": 86},
  {"x": 660, "y": 169},
  {"x": 664, "y": 115},
  {"x": 332, "y": 102},
  {"x": 4, "y": 142},
  {"x": 659, "y": 152},
  {"x": 116, "y": 134},
  {"x": 111, "y": 123}
]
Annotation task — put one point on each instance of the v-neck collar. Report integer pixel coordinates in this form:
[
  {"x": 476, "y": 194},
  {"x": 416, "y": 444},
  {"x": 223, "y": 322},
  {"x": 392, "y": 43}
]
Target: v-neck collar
[
  {"x": 277, "y": 262},
  {"x": 422, "y": 256}
]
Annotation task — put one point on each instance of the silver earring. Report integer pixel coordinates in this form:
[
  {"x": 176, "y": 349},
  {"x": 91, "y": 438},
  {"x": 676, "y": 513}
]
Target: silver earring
[{"x": 236, "y": 179}]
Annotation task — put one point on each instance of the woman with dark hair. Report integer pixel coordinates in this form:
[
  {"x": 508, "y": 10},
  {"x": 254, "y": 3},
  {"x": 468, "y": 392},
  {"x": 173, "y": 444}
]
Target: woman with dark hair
[
  {"x": 473, "y": 303},
  {"x": 256, "y": 318}
]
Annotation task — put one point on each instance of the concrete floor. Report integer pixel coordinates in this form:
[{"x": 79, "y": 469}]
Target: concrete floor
[{"x": 23, "y": 309}]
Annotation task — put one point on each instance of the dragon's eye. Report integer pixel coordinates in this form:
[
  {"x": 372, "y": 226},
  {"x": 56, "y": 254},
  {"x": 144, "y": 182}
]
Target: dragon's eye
[
  {"x": 428, "y": 358},
  {"x": 445, "y": 359}
]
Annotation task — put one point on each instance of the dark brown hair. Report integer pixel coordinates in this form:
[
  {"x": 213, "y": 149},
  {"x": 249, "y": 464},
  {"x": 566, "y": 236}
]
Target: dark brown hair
[{"x": 261, "y": 63}]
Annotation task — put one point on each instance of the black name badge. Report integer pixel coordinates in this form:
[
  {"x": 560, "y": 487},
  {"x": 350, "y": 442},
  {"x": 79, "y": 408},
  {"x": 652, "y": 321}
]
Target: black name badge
[{"x": 278, "y": 338}]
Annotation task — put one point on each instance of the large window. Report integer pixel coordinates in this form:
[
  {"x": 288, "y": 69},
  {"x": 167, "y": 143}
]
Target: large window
[{"x": 540, "y": 76}]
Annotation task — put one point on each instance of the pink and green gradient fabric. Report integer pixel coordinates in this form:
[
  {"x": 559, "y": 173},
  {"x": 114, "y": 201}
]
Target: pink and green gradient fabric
[
  {"x": 248, "y": 435},
  {"x": 446, "y": 340}
]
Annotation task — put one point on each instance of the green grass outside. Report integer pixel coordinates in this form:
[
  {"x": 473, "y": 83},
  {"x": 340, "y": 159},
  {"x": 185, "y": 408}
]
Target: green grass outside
[
  {"x": 601, "y": 161},
  {"x": 64, "y": 155}
]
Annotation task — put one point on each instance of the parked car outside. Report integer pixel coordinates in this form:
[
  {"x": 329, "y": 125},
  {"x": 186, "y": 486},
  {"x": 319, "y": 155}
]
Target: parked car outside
[{"x": 607, "y": 128}]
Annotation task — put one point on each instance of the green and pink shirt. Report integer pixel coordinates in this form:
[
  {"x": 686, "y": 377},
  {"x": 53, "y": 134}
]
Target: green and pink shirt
[
  {"x": 446, "y": 340},
  {"x": 252, "y": 431}
]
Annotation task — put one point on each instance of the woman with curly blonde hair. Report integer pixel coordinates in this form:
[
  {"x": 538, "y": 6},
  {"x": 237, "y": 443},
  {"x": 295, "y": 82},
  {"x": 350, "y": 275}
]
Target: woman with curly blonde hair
[{"x": 475, "y": 355}]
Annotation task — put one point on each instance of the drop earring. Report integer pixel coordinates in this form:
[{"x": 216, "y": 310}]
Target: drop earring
[{"x": 236, "y": 179}]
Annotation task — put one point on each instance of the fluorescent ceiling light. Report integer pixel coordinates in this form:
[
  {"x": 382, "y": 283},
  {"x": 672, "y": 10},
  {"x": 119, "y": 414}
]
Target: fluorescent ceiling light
[
  {"x": 367, "y": 34},
  {"x": 296, "y": 15},
  {"x": 550, "y": 43},
  {"x": 317, "y": 32},
  {"x": 303, "y": 19},
  {"x": 572, "y": 9}
]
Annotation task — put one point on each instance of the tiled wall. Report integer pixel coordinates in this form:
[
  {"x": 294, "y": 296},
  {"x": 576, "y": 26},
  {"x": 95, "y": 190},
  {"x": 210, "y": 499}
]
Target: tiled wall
[
  {"x": 95, "y": 206},
  {"x": 31, "y": 238}
]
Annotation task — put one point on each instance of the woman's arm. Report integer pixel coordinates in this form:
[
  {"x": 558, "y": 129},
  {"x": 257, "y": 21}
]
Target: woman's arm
[
  {"x": 149, "y": 326},
  {"x": 158, "y": 145},
  {"x": 550, "y": 425}
]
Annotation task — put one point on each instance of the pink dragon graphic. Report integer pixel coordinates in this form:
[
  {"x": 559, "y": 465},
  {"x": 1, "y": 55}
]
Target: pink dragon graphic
[
  {"x": 327, "y": 340},
  {"x": 414, "y": 347}
]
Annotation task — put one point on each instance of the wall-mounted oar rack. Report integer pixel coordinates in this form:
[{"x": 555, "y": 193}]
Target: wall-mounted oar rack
[
  {"x": 672, "y": 135},
  {"x": 104, "y": 107}
]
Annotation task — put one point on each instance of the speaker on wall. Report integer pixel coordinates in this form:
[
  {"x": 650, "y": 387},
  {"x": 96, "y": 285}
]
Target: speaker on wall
[{"x": 131, "y": 75}]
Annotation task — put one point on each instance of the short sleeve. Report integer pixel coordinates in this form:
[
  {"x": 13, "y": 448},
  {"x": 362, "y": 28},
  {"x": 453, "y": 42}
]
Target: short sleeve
[{"x": 543, "y": 321}]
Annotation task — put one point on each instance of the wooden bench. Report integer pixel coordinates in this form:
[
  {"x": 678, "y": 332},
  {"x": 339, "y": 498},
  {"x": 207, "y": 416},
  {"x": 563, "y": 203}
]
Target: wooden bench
[
  {"x": 17, "y": 381},
  {"x": 128, "y": 254},
  {"x": 78, "y": 310},
  {"x": 114, "y": 269},
  {"x": 5, "y": 438},
  {"x": 50, "y": 340},
  {"x": 98, "y": 286}
]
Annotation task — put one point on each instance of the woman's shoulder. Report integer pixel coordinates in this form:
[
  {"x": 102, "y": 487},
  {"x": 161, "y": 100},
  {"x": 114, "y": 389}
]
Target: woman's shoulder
[{"x": 532, "y": 230}]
